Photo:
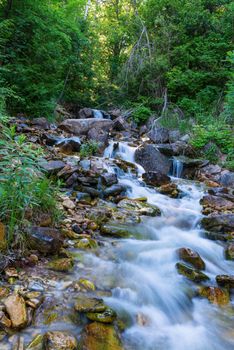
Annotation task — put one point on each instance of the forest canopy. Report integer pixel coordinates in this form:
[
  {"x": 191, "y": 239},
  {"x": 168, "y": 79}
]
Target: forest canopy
[{"x": 99, "y": 53}]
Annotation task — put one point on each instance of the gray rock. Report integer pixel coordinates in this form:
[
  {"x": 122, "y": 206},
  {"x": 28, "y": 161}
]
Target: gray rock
[
  {"x": 227, "y": 179},
  {"x": 174, "y": 135},
  {"x": 149, "y": 157},
  {"x": 52, "y": 166},
  {"x": 40, "y": 123},
  {"x": 73, "y": 143},
  {"x": 159, "y": 135},
  {"x": 82, "y": 126},
  {"x": 114, "y": 190},
  {"x": 219, "y": 223},
  {"x": 98, "y": 135},
  {"x": 86, "y": 113},
  {"x": 155, "y": 178},
  {"x": 120, "y": 124},
  {"x": 109, "y": 179}
]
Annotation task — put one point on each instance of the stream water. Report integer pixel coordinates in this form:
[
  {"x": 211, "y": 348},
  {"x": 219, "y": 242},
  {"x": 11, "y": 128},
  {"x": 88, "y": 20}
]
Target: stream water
[{"x": 157, "y": 304}]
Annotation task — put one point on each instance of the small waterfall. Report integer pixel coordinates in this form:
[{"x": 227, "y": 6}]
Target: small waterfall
[
  {"x": 177, "y": 168},
  {"x": 97, "y": 114}
]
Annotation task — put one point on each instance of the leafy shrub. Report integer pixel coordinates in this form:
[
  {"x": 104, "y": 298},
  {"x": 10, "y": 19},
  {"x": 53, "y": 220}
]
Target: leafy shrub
[
  {"x": 89, "y": 149},
  {"x": 141, "y": 114},
  {"x": 23, "y": 187}
]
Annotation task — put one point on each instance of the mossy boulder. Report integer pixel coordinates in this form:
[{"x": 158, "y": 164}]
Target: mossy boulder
[
  {"x": 191, "y": 273},
  {"x": 86, "y": 243},
  {"x": 100, "y": 336},
  {"x": 215, "y": 295},
  {"x": 190, "y": 256},
  {"x": 63, "y": 265},
  {"x": 84, "y": 304},
  {"x": 107, "y": 316},
  {"x": 118, "y": 230},
  {"x": 139, "y": 207}
]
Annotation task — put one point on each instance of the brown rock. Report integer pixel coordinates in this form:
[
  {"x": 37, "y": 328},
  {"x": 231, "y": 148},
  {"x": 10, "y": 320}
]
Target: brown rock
[
  {"x": 215, "y": 295},
  {"x": 16, "y": 309},
  {"x": 191, "y": 257},
  {"x": 60, "y": 341}
]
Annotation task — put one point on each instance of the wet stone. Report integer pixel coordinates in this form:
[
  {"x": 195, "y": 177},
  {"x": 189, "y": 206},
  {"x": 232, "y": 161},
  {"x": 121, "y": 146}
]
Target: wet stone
[
  {"x": 229, "y": 252},
  {"x": 16, "y": 309},
  {"x": 225, "y": 281},
  {"x": 85, "y": 304},
  {"x": 215, "y": 295},
  {"x": 191, "y": 257},
  {"x": 60, "y": 341},
  {"x": 108, "y": 316},
  {"x": 63, "y": 265},
  {"x": 191, "y": 273}
]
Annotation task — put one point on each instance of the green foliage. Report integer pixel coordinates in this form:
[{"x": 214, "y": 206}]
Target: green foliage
[
  {"x": 141, "y": 114},
  {"x": 44, "y": 54},
  {"x": 23, "y": 187},
  {"x": 89, "y": 148}
]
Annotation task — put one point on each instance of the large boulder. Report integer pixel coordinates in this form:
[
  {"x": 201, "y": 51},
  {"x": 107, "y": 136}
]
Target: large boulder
[
  {"x": 149, "y": 157},
  {"x": 159, "y": 135},
  {"x": 82, "y": 126},
  {"x": 227, "y": 179},
  {"x": 217, "y": 203},
  {"x": 219, "y": 223},
  {"x": 155, "y": 178},
  {"x": 176, "y": 149},
  {"x": 98, "y": 135}
]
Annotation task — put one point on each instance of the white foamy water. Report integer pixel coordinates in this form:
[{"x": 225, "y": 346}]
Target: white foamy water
[{"x": 159, "y": 305}]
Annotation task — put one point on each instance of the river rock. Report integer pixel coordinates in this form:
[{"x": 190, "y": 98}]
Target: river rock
[
  {"x": 85, "y": 304},
  {"x": 86, "y": 243},
  {"x": 40, "y": 123},
  {"x": 217, "y": 203},
  {"x": 109, "y": 179},
  {"x": 98, "y": 135},
  {"x": 155, "y": 178},
  {"x": 82, "y": 126},
  {"x": 52, "y": 166},
  {"x": 191, "y": 273},
  {"x": 107, "y": 316},
  {"x": 139, "y": 207},
  {"x": 60, "y": 341},
  {"x": 63, "y": 265},
  {"x": 191, "y": 257},
  {"x": 120, "y": 124},
  {"x": 45, "y": 239},
  {"x": 176, "y": 149},
  {"x": 16, "y": 309},
  {"x": 229, "y": 252},
  {"x": 114, "y": 190},
  {"x": 170, "y": 190},
  {"x": 159, "y": 135},
  {"x": 219, "y": 223},
  {"x": 225, "y": 281},
  {"x": 227, "y": 179},
  {"x": 99, "y": 336},
  {"x": 149, "y": 157},
  {"x": 4, "y": 320},
  {"x": 69, "y": 145},
  {"x": 215, "y": 295},
  {"x": 85, "y": 113}
]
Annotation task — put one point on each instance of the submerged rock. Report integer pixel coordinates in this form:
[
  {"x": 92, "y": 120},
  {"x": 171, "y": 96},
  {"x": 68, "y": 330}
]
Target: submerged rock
[
  {"x": 60, "y": 341},
  {"x": 155, "y": 178},
  {"x": 191, "y": 273},
  {"x": 215, "y": 295},
  {"x": 149, "y": 157},
  {"x": 16, "y": 309},
  {"x": 191, "y": 257},
  {"x": 99, "y": 336}
]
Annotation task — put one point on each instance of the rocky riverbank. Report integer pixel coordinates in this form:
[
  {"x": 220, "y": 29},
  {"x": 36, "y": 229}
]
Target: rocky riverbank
[{"x": 52, "y": 298}]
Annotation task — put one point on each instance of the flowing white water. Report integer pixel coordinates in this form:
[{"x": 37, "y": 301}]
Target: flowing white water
[
  {"x": 146, "y": 288},
  {"x": 177, "y": 167},
  {"x": 97, "y": 114}
]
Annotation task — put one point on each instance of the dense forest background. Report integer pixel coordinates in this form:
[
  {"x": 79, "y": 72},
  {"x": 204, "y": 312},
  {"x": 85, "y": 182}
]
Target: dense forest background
[{"x": 166, "y": 57}]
